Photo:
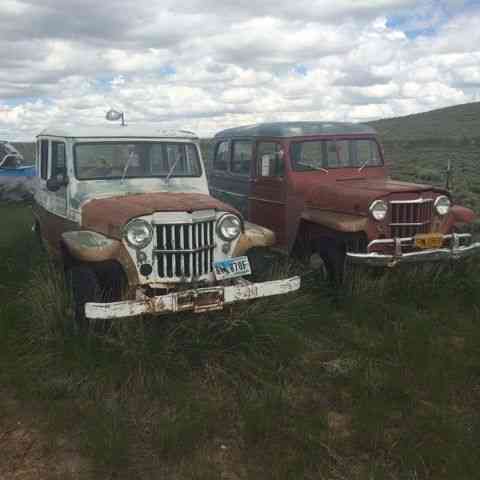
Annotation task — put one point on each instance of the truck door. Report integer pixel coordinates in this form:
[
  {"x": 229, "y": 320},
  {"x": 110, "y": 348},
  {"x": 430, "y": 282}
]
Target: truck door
[
  {"x": 230, "y": 172},
  {"x": 57, "y": 203},
  {"x": 268, "y": 193}
]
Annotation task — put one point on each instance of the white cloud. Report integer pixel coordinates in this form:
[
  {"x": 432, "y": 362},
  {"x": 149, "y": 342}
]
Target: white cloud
[{"x": 207, "y": 65}]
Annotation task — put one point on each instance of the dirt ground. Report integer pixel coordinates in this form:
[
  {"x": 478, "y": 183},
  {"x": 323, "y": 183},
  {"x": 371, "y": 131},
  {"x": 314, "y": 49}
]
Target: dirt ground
[{"x": 28, "y": 453}]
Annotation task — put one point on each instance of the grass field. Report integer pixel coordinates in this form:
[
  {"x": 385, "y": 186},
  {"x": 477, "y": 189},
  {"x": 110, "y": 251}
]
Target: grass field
[{"x": 378, "y": 381}]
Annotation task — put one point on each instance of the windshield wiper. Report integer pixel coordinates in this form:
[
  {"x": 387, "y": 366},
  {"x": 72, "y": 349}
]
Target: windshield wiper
[
  {"x": 125, "y": 169},
  {"x": 365, "y": 163},
  {"x": 169, "y": 174}
]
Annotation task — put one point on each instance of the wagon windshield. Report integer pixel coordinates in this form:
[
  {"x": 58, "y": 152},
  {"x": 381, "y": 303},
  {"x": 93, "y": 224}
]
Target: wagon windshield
[
  {"x": 324, "y": 154},
  {"x": 117, "y": 160}
]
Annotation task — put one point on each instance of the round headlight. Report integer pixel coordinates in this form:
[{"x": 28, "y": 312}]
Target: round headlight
[
  {"x": 138, "y": 233},
  {"x": 229, "y": 227},
  {"x": 378, "y": 210},
  {"x": 442, "y": 205}
]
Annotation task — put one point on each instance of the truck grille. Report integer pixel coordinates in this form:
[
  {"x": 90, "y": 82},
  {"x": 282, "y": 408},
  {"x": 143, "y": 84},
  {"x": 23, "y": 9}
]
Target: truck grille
[
  {"x": 410, "y": 217},
  {"x": 185, "y": 250}
]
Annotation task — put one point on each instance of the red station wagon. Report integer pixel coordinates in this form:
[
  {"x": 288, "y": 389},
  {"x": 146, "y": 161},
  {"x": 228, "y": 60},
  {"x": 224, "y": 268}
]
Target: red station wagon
[{"x": 324, "y": 188}]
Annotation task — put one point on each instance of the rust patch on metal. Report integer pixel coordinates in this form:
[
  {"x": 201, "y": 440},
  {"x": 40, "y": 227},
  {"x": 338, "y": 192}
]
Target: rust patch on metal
[
  {"x": 253, "y": 236},
  {"x": 90, "y": 246},
  {"x": 108, "y": 215},
  {"x": 336, "y": 221}
]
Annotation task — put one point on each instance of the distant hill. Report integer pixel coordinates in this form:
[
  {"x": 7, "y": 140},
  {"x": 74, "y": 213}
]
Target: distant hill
[
  {"x": 418, "y": 147},
  {"x": 456, "y": 124}
]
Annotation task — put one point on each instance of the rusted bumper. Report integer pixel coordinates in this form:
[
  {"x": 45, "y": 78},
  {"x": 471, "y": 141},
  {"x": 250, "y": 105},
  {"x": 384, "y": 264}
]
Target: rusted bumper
[
  {"x": 199, "y": 300},
  {"x": 460, "y": 247}
]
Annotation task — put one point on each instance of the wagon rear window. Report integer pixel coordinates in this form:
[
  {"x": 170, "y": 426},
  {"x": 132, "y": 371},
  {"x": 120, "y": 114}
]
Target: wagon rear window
[
  {"x": 325, "y": 154},
  {"x": 109, "y": 160}
]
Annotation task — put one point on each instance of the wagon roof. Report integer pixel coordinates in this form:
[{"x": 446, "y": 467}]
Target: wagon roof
[
  {"x": 297, "y": 129},
  {"x": 115, "y": 131}
]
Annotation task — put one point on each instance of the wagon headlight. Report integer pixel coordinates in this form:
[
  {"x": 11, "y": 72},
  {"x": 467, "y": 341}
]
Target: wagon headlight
[
  {"x": 442, "y": 205},
  {"x": 138, "y": 233},
  {"x": 229, "y": 227},
  {"x": 378, "y": 210}
]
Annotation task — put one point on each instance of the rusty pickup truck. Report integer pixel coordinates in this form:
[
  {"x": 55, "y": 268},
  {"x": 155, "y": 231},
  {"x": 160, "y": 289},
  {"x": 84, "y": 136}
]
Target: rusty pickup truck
[
  {"x": 323, "y": 187},
  {"x": 127, "y": 210}
]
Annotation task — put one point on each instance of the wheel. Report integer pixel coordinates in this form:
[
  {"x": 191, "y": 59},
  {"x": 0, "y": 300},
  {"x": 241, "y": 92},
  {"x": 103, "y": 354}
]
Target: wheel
[
  {"x": 334, "y": 258},
  {"x": 262, "y": 262},
  {"x": 85, "y": 288}
]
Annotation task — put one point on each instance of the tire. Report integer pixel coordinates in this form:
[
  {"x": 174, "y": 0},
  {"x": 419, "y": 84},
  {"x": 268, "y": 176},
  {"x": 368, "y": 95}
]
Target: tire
[
  {"x": 85, "y": 288},
  {"x": 334, "y": 258}
]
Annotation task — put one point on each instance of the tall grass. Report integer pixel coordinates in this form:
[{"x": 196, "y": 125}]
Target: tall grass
[{"x": 377, "y": 380}]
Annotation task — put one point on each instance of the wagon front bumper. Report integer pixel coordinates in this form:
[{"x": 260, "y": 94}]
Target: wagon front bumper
[
  {"x": 460, "y": 247},
  {"x": 198, "y": 300}
]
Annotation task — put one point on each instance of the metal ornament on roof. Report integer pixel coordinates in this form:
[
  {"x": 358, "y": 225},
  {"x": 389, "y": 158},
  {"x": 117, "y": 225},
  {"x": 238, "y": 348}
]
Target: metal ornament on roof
[{"x": 114, "y": 115}]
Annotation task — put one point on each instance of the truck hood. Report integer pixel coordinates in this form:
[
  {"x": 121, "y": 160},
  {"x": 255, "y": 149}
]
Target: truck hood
[
  {"x": 109, "y": 215},
  {"x": 355, "y": 195}
]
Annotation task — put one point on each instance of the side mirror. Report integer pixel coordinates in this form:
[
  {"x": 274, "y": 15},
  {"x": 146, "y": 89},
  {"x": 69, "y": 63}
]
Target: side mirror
[{"x": 56, "y": 183}]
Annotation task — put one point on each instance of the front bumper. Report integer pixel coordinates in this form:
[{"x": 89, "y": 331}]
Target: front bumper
[
  {"x": 457, "y": 250},
  {"x": 198, "y": 300}
]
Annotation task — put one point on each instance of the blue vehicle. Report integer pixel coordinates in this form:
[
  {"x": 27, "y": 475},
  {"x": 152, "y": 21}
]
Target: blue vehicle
[{"x": 11, "y": 162}]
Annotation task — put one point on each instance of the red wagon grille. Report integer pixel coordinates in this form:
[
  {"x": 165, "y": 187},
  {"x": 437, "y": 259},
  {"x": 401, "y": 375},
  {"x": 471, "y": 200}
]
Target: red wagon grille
[{"x": 409, "y": 217}]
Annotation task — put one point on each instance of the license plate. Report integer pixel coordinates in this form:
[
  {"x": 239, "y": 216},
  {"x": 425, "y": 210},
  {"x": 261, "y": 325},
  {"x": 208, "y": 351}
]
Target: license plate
[
  {"x": 428, "y": 240},
  {"x": 231, "y": 268}
]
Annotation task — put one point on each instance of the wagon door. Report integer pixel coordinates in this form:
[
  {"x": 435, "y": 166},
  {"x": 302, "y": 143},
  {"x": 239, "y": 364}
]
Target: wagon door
[
  {"x": 267, "y": 200},
  {"x": 229, "y": 177},
  {"x": 57, "y": 201}
]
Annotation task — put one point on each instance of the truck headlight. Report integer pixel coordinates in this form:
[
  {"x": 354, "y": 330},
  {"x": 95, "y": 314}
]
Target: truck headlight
[
  {"x": 378, "y": 210},
  {"x": 229, "y": 227},
  {"x": 442, "y": 205},
  {"x": 138, "y": 233}
]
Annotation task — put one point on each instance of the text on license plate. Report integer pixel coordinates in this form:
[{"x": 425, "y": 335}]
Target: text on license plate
[
  {"x": 231, "y": 268},
  {"x": 428, "y": 240}
]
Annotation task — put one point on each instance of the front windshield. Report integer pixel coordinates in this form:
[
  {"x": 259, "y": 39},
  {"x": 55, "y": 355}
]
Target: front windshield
[
  {"x": 113, "y": 160},
  {"x": 324, "y": 154}
]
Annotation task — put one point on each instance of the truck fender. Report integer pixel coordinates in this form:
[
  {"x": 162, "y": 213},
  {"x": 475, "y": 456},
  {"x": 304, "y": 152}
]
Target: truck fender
[
  {"x": 88, "y": 246},
  {"x": 341, "y": 222},
  {"x": 462, "y": 215},
  {"x": 253, "y": 236}
]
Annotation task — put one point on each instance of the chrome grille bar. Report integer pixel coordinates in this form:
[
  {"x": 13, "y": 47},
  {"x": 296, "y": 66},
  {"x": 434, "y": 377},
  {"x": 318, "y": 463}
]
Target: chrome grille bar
[
  {"x": 185, "y": 251},
  {"x": 409, "y": 217}
]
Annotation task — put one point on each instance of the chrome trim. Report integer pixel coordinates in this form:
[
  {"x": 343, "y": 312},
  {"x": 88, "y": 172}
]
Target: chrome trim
[
  {"x": 455, "y": 252},
  {"x": 193, "y": 250},
  {"x": 372, "y": 206},
  {"x": 409, "y": 224},
  {"x": 384, "y": 241},
  {"x": 417, "y": 200},
  {"x": 233, "y": 194},
  {"x": 197, "y": 300},
  {"x": 436, "y": 203}
]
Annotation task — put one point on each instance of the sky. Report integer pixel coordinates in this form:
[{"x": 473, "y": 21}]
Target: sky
[{"x": 205, "y": 65}]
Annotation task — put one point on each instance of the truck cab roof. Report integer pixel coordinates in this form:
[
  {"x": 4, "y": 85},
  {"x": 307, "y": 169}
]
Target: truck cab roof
[
  {"x": 297, "y": 129},
  {"x": 115, "y": 131}
]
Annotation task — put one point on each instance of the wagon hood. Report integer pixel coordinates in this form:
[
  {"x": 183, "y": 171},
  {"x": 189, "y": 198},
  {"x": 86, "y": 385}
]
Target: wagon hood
[
  {"x": 109, "y": 215},
  {"x": 355, "y": 195}
]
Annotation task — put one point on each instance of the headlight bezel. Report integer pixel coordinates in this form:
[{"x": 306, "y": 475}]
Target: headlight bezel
[
  {"x": 372, "y": 210},
  {"x": 128, "y": 228},
  {"x": 220, "y": 223},
  {"x": 438, "y": 200}
]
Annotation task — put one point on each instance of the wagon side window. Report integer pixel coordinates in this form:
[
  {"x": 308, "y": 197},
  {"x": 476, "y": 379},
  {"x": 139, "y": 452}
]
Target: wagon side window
[
  {"x": 220, "y": 161},
  {"x": 44, "y": 159},
  {"x": 270, "y": 161},
  {"x": 241, "y": 157},
  {"x": 58, "y": 159}
]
